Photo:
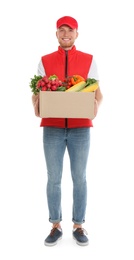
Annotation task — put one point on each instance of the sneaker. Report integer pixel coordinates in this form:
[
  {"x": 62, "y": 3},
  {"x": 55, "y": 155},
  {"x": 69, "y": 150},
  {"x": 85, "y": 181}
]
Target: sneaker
[
  {"x": 79, "y": 234},
  {"x": 54, "y": 236}
]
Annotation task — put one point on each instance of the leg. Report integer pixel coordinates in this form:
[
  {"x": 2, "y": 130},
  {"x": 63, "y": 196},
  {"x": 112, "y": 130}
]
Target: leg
[
  {"x": 78, "y": 143},
  {"x": 54, "y": 145}
]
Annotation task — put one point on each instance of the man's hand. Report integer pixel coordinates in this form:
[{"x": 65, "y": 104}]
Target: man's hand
[
  {"x": 35, "y": 101},
  {"x": 95, "y": 107},
  {"x": 98, "y": 100}
]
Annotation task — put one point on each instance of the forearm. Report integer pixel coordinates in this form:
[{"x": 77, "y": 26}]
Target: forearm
[
  {"x": 97, "y": 101},
  {"x": 35, "y": 101},
  {"x": 98, "y": 96}
]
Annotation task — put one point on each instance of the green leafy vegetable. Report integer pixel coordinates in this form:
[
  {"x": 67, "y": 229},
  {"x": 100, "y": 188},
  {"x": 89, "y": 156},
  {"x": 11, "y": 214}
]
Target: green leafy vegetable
[{"x": 33, "y": 84}]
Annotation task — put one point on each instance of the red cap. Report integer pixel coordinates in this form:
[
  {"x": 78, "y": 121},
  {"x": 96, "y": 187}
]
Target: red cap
[{"x": 67, "y": 20}]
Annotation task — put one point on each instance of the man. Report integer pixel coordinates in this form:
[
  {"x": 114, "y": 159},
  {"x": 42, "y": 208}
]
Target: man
[{"x": 60, "y": 134}]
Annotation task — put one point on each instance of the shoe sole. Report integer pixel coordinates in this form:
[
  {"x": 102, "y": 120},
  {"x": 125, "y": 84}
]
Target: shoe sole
[
  {"x": 54, "y": 243},
  {"x": 81, "y": 243}
]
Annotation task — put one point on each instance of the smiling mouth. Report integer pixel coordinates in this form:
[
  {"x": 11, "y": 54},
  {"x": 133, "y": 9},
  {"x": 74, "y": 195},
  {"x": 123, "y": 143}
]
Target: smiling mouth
[{"x": 66, "y": 39}]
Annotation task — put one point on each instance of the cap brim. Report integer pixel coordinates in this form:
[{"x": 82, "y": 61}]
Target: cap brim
[{"x": 70, "y": 25}]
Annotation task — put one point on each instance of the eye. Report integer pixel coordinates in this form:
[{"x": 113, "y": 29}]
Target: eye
[{"x": 61, "y": 30}]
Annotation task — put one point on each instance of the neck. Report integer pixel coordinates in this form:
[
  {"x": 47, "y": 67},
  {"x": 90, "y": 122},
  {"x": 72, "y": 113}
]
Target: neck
[{"x": 66, "y": 48}]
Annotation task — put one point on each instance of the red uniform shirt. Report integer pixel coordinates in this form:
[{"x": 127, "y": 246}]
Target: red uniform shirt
[{"x": 63, "y": 64}]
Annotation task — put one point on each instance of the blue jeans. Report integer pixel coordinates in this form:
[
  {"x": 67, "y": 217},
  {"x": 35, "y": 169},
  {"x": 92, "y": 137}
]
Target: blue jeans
[{"x": 77, "y": 142}]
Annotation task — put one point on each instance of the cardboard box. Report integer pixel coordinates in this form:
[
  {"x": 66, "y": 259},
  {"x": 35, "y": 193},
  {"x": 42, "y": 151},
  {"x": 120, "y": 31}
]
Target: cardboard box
[{"x": 66, "y": 105}]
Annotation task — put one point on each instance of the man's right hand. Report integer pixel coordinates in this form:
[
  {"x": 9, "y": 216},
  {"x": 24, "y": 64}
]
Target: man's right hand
[{"x": 35, "y": 101}]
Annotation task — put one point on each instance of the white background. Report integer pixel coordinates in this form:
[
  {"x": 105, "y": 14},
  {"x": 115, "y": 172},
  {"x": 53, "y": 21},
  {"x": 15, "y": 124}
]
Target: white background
[{"x": 27, "y": 31}]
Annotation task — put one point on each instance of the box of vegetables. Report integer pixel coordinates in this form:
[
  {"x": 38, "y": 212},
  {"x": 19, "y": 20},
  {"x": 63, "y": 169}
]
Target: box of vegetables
[{"x": 71, "y": 98}]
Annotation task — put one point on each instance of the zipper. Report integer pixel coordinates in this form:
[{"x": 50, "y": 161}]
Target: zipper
[
  {"x": 66, "y": 64},
  {"x": 66, "y": 75}
]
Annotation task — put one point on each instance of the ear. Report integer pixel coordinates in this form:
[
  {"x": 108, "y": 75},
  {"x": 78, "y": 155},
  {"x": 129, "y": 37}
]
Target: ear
[{"x": 77, "y": 34}]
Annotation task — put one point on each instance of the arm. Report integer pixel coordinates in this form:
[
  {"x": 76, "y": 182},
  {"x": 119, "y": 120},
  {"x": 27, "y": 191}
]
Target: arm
[
  {"x": 98, "y": 96},
  {"x": 35, "y": 102},
  {"x": 41, "y": 70},
  {"x": 35, "y": 98},
  {"x": 98, "y": 100},
  {"x": 93, "y": 73}
]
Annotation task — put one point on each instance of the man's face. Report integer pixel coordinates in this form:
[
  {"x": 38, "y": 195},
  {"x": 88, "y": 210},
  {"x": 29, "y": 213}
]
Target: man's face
[{"x": 66, "y": 36}]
